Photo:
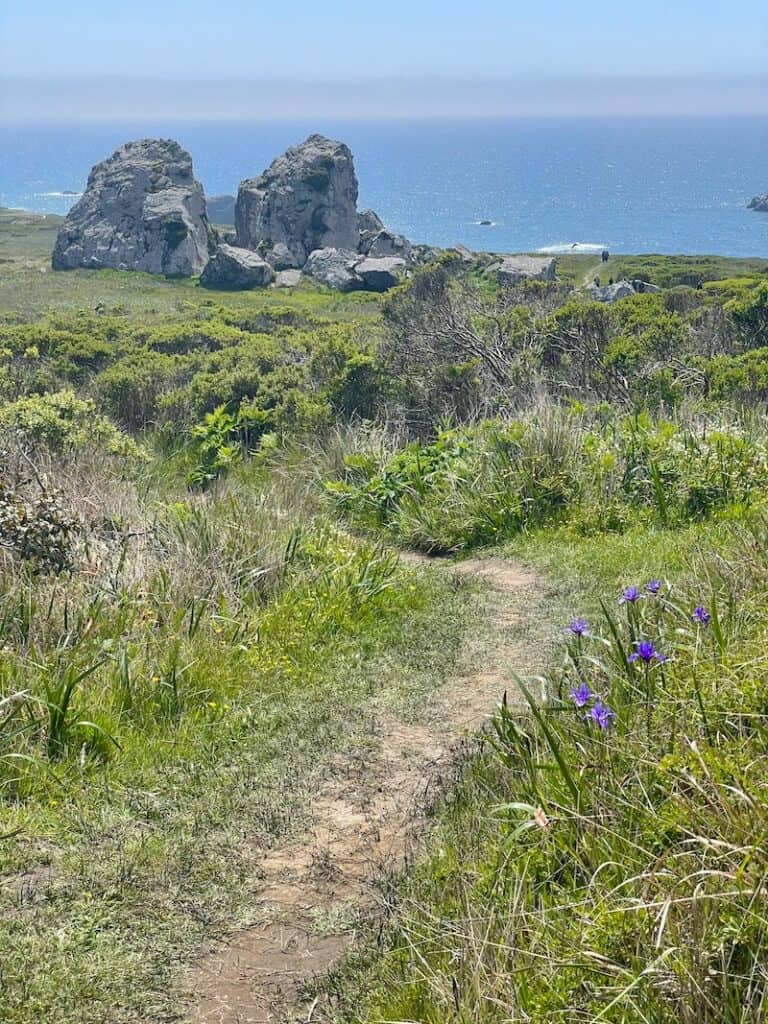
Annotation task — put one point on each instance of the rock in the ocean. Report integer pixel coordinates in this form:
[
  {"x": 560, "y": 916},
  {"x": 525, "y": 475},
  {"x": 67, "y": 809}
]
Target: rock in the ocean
[
  {"x": 759, "y": 203},
  {"x": 379, "y": 275},
  {"x": 236, "y": 269},
  {"x": 611, "y": 292},
  {"x": 515, "y": 269},
  {"x": 221, "y": 209},
  {"x": 334, "y": 268},
  {"x": 142, "y": 210},
  {"x": 306, "y": 200}
]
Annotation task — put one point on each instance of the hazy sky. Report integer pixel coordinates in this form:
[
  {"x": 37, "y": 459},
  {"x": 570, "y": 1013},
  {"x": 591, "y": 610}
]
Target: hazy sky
[{"x": 358, "y": 51}]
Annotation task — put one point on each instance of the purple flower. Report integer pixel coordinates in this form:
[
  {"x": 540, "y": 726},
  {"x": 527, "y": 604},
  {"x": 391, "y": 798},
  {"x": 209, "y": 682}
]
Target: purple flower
[
  {"x": 701, "y": 616},
  {"x": 581, "y": 695},
  {"x": 629, "y": 595},
  {"x": 653, "y": 586},
  {"x": 602, "y": 715},
  {"x": 646, "y": 651},
  {"x": 578, "y": 627}
]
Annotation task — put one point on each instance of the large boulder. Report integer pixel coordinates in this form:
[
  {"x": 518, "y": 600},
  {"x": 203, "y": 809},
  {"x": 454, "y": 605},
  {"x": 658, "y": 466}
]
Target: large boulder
[
  {"x": 306, "y": 200},
  {"x": 611, "y": 292},
  {"x": 379, "y": 275},
  {"x": 236, "y": 269},
  {"x": 142, "y": 209},
  {"x": 369, "y": 224},
  {"x": 386, "y": 243},
  {"x": 759, "y": 203},
  {"x": 335, "y": 268},
  {"x": 515, "y": 269}
]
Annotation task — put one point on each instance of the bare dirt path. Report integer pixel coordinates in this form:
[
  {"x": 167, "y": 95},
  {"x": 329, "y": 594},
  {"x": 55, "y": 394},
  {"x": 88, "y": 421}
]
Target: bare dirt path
[{"x": 363, "y": 824}]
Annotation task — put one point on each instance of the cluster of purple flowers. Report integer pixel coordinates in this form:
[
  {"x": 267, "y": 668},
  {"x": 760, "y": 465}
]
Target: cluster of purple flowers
[
  {"x": 578, "y": 627},
  {"x": 701, "y": 616},
  {"x": 646, "y": 651},
  {"x": 600, "y": 713},
  {"x": 630, "y": 595}
]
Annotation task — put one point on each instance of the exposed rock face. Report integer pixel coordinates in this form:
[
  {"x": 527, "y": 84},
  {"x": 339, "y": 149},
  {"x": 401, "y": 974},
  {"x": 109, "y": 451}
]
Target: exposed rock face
[
  {"x": 221, "y": 209},
  {"x": 236, "y": 269},
  {"x": 759, "y": 203},
  {"x": 346, "y": 271},
  {"x": 142, "y": 210},
  {"x": 611, "y": 292},
  {"x": 335, "y": 268},
  {"x": 288, "y": 278},
  {"x": 515, "y": 269},
  {"x": 306, "y": 200},
  {"x": 379, "y": 275},
  {"x": 369, "y": 224},
  {"x": 385, "y": 243}
]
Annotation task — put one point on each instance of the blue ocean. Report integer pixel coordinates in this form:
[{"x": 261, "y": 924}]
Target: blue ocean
[{"x": 661, "y": 185}]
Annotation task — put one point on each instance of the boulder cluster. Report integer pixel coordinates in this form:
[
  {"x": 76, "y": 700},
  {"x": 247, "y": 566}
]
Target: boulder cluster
[
  {"x": 143, "y": 209},
  {"x": 759, "y": 203}
]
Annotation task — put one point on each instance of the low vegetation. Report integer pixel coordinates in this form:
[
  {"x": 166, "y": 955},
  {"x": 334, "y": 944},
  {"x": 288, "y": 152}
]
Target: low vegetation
[{"x": 200, "y": 607}]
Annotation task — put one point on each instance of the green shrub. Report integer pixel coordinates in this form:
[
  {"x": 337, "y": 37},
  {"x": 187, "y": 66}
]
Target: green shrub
[{"x": 63, "y": 422}]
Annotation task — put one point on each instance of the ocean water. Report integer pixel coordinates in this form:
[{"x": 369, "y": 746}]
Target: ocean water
[{"x": 664, "y": 185}]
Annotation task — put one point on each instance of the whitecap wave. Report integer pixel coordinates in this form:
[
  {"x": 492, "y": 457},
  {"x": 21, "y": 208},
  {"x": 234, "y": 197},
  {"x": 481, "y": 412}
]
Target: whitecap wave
[
  {"x": 575, "y": 247},
  {"x": 59, "y": 195}
]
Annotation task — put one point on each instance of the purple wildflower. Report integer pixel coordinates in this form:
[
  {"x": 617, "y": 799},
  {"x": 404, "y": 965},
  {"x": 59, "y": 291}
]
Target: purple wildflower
[
  {"x": 646, "y": 651},
  {"x": 579, "y": 627},
  {"x": 701, "y": 616},
  {"x": 581, "y": 695},
  {"x": 653, "y": 586},
  {"x": 629, "y": 595},
  {"x": 602, "y": 715}
]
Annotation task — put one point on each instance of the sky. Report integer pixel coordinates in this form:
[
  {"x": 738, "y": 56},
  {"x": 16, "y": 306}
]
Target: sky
[{"x": 95, "y": 58}]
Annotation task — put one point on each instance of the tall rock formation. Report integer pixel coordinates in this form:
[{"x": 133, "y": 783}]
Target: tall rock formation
[
  {"x": 142, "y": 209},
  {"x": 306, "y": 200}
]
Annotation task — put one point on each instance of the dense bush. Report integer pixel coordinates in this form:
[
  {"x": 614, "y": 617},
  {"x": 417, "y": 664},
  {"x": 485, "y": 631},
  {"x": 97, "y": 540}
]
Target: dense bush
[{"x": 478, "y": 485}]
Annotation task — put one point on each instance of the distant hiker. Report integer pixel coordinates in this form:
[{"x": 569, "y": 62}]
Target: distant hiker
[
  {"x": 597, "y": 281},
  {"x": 605, "y": 255},
  {"x": 610, "y": 280}
]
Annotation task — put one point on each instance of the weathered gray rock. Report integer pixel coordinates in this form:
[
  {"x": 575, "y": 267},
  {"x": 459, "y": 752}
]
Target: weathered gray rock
[
  {"x": 236, "y": 269},
  {"x": 611, "y": 292},
  {"x": 220, "y": 209},
  {"x": 386, "y": 243},
  {"x": 142, "y": 210},
  {"x": 515, "y": 269},
  {"x": 369, "y": 224},
  {"x": 334, "y": 268},
  {"x": 288, "y": 278},
  {"x": 379, "y": 275},
  {"x": 759, "y": 203},
  {"x": 466, "y": 254},
  {"x": 280, "y": 257},
  {"x": 306, "y": 200}
]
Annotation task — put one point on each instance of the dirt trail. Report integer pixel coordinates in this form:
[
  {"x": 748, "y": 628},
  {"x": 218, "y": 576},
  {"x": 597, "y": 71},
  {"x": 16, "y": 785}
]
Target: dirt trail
[{"x": 362, "y": 821}]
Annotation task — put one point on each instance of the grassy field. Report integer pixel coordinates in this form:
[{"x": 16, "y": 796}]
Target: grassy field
[{"x": 204, "y": 622}]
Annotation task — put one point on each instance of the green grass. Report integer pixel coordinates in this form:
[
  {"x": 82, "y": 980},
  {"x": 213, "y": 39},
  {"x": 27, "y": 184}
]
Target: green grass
[
  {"x": 664, "y": 271},
  {"x": 218, "y": 667},
  {"x": 618, "y": 875}
]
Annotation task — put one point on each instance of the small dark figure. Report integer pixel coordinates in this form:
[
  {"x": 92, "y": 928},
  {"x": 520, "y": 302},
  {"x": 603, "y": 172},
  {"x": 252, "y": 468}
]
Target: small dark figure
[
  {"x": 597, "y": 281},
  {"x": 610, "y": 280},
  {"x": 605, "y": 255}
]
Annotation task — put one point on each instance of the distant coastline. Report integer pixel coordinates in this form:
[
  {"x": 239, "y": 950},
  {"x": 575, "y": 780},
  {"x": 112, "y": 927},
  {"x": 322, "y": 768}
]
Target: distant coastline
[{"x": 650, "y": 185}]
